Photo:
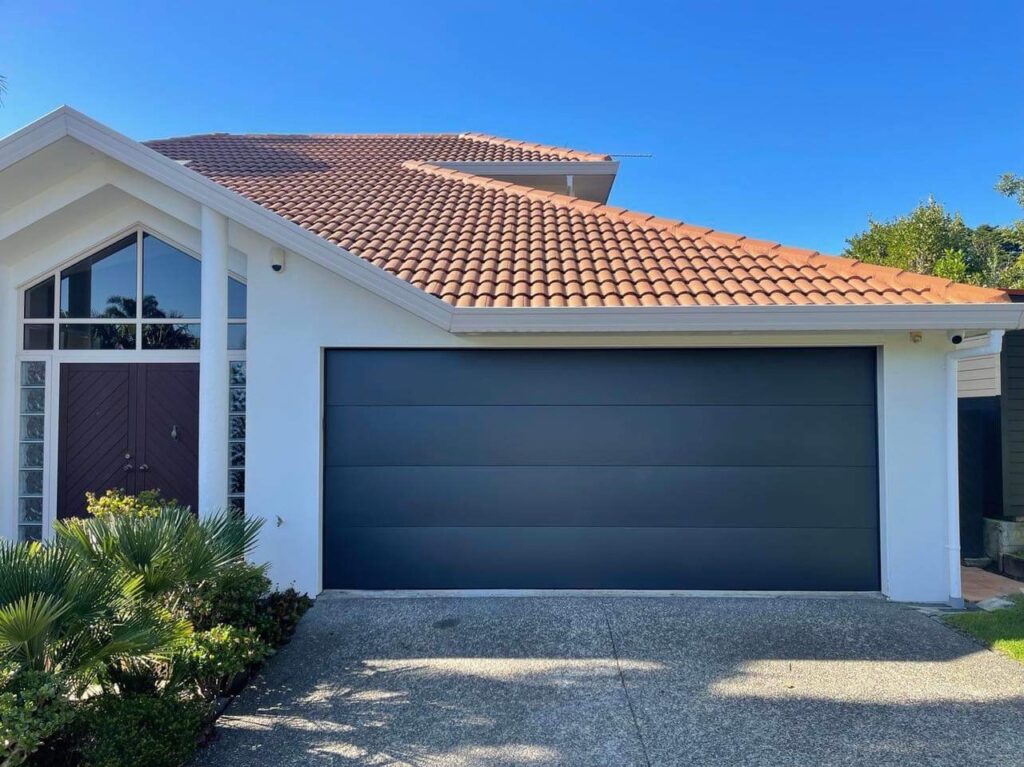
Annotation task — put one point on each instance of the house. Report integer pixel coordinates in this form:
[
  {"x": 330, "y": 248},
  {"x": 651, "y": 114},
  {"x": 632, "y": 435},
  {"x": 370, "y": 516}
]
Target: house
[
  {"x": 444, "y": 361},
  {"x": 991, "y": 392}
]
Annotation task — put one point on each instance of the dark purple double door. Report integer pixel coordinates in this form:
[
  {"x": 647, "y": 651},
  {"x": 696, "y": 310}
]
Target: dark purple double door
[{"x": 128, "y": 426}]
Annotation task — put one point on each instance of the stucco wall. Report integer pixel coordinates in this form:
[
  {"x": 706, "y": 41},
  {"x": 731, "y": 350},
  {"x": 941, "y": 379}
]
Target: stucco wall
[{"x": 294, "y": 315}]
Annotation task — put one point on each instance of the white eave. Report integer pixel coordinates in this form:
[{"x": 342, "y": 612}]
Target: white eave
[{"x": 735, "y": 319}]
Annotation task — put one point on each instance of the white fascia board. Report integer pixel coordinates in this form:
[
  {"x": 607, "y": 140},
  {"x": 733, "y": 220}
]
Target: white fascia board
[
  {"x": 533, "y": 167},
  {"x": 66, "y": 121},
  {"x": 738, "y": 318}
]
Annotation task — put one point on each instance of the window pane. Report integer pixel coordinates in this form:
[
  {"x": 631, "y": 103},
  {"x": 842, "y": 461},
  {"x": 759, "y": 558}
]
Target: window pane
[
  {"x": 33, "y": 400},
  {"x": 236, "y": 336},
  {"x": 237, "y": 401},
  {"x": 238, "y": 373},
  {"x": 30, "y": 509},
  {"x": 237, "y": 503},
  {"x": 32, "y": 427},
  {"x": 30, "y": 483},
  {"x": 236, "y": 299},
  {"x": 28, "y": 533},
  {"x": 102, "y": 285},
  {"x": 170, "y": 281},
  {"x": 236, "y": 481},
  {"x": 170, "y": 336},
  {"x": 236, "y": 455},
  {"x": 236, "y": 429},
  {"x": 39, "y": 301},
  {"x": 30, "y": 455},
  {"x": 97, "y": 336},
  {"x": 38, "y": 337},
  {"x": 33, "y": 373}
]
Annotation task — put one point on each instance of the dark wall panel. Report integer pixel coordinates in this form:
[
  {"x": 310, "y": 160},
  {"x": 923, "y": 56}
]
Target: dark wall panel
[{"x": 601, "y": 469}]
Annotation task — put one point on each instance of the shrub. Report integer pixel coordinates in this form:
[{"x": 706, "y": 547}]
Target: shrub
[
  {"x": 282, "y": 611},
  {"x": 137, "y": 730},
  {"x": 33, "y": 708},
  {"x": 119, "y": 504},
  {"x": 209, "y": 661},
  {"x": 60, "y": 614},
  {"x": 234, "y": 598}
]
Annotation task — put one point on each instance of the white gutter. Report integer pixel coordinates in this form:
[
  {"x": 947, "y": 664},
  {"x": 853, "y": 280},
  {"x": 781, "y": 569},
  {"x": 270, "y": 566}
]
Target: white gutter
[{"x": 993, "y": 345}]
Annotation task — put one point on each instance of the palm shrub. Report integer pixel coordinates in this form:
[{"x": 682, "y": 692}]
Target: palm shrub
[
  {"x": 62, "y": 616},
  {"x": 168, "y": 555}
]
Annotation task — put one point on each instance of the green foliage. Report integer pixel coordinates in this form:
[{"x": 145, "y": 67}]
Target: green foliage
[
  {"x": 208, "y": 661},
  {"x": 148, "y": 503},
  {"x": 283, "y": 611},
  {"x": 1011, "y": 185},
  {"x": 59, "y": 614},
  {"x": 235, "y": 598},
  {"x": 33, "y": 708},
  {"x": 137, "y": 730},
  {"x": 171, "y": 552},
  {"x": 930, "y": 240}
]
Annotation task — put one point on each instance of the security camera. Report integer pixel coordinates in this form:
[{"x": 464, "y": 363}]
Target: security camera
[
  {"x": 956, "y": 337},
  {"x": 277, "y": 259}
]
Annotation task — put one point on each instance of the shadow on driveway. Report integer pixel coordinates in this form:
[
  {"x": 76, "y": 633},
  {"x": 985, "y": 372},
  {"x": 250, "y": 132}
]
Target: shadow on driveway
[{"x": 624, "y": 681}]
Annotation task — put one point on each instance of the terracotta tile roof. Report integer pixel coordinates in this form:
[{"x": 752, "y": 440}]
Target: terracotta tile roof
[{"x": 477, "y": 242}]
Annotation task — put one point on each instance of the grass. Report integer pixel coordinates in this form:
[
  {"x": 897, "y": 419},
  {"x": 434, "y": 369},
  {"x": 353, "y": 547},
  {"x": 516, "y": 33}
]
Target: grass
[{"x": 1002, "y": 630}]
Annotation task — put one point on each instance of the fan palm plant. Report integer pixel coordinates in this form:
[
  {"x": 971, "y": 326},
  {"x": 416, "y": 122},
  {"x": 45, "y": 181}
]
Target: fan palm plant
[{"x": 59, "y": 615}]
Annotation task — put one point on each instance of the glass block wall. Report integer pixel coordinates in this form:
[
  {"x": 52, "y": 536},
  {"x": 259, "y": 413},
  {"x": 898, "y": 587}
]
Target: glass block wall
[
  {"x": 236, "y": 437},
  {"x": 31, "y": 450}
]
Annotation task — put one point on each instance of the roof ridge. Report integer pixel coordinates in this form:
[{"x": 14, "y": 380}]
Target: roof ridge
[
  {"x": 953, "y": 292},
  {"x": 574, "y": 153}
]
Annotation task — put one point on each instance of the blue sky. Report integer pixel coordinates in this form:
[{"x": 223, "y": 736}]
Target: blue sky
[{"x": 790, "y": 121}]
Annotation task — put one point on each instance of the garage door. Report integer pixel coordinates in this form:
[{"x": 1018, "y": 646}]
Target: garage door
[{"x": 626, "y": 469}]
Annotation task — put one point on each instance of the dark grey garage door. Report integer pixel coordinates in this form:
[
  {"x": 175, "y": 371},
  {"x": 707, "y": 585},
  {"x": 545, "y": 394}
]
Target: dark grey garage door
[{"x": 632, "y": 469}]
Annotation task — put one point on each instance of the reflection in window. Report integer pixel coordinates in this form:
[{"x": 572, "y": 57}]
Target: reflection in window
[
  {"x": 103, "y": 336},
  {"x": 170, "y": 281},
  {"x": 236, "y": 299},
  {"x": 102, "y": 285},
  {"x": 39, "y": 301},
  {"x": 168, "y": 336},
  {"x": 38, "y": 337}
]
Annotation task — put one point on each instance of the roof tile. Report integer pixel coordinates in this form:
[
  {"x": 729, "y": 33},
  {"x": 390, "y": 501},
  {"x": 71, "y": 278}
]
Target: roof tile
[{"x": 477, "y": 242}]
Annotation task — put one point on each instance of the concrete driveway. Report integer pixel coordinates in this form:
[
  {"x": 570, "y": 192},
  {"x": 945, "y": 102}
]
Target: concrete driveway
[{"x": 625, "y": 681}]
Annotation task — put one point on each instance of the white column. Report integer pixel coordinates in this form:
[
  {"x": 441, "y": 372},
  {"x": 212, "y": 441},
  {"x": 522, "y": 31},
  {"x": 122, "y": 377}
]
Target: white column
[
  {"x": 213, "y": 365},
  {"x": 8, "y": 404}
]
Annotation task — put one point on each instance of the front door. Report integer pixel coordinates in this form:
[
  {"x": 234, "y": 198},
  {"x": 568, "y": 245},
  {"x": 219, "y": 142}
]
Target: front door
[{"x": 129, "y": 426}]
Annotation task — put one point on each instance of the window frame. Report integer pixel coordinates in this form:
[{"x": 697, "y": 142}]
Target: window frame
[{"x": 139, "y": 322}]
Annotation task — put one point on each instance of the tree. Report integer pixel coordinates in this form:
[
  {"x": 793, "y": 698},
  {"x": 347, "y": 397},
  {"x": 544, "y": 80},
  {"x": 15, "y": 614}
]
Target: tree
[{"x": 931, "y": 240}]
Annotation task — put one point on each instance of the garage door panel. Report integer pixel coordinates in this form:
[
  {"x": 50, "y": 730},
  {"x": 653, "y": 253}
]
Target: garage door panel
[
  {"x": 606, "y": 436},
  {"x": 578, "y": 558},
  {"x": 584, "y": 377},
  {"x": 607, "y": 496}
]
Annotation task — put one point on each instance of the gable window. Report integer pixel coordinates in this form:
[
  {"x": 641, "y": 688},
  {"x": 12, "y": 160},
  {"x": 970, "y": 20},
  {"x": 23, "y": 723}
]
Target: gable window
[{"x": 139, "y": 292}]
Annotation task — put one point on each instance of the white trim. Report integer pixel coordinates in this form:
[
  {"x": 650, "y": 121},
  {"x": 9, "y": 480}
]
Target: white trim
[
  {"x": 746, "y": 319},
  {"x": 65, "y": 121},
  {"x": 333, "y": 594}
]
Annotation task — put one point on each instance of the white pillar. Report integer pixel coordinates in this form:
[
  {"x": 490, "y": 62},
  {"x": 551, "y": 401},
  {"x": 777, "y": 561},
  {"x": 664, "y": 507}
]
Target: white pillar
[
  {"x": 8, "y": 404},
  {"x": 213, "y": 365}
]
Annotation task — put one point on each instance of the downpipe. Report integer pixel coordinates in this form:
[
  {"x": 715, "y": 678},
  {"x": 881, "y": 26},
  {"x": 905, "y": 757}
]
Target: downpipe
[{"x": 993, "y": 345}]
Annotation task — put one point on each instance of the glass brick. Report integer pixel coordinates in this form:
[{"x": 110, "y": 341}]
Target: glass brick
[
  {"x": 30, "y": 509},
  {"x": 33, "y": 373}
]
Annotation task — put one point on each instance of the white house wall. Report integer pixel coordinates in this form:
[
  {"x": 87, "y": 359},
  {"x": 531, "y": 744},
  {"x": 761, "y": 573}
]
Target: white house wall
[{"x": 295, "y": 314}]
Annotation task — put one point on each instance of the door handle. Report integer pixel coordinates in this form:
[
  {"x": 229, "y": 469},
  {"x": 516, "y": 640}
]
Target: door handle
[
  {"x": 128, "y": 467},
  {"x": 144, "y": 467}
]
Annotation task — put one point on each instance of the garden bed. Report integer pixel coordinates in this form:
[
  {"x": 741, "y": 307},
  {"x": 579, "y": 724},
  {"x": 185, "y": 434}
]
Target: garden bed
[{"x": 123, "y": 638}]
